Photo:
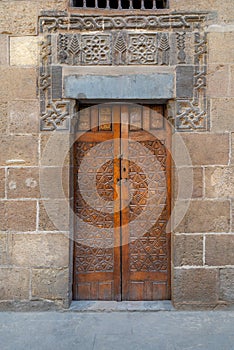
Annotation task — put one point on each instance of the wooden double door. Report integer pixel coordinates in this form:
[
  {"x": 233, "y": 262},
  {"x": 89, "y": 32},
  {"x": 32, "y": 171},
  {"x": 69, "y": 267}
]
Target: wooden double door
[{"x": 122, "y": 203}]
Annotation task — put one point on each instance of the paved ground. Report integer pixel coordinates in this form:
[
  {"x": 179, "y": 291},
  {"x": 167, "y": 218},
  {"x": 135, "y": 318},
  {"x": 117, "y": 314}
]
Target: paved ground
[{"x": 163, "y": 330}]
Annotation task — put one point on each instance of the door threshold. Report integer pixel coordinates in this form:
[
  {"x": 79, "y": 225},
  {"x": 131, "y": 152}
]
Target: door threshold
[{"x": 116, "y": 306}]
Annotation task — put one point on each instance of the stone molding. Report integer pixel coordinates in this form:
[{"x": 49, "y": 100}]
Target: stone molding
[{"x": 177, "y": 40}]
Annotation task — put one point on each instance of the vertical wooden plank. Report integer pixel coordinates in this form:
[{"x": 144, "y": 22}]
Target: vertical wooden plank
[
  {"x": 117, "y": 208},
  {"x": 124, "y": 201}
]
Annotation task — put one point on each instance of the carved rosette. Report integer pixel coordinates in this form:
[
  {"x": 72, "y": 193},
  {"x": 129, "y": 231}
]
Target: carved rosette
[{"x": 176, "y": 40}]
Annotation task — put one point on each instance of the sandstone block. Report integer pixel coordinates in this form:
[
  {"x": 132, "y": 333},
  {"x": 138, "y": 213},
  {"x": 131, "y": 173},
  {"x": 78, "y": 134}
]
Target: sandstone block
[
  {"x": 18, "y": 83},
  {"x": 226, "y": 292},
  {"x": 219, "y": 250},
  {"x": 21, "y": 215},
  {"x": 231, "y": 81},
  {"x": 222, "y": 114},
  {"x": 49, "y": 219},
  {"x": 23, "y": 183},
  {"x": 188, "y": 183},
  {"x": 24, "y": 51},
  {"x": 218, "y": 81},
  {"x": 3, "y": 117},
  {"x": 14, "y": 284},
  {"x": 3, "y": 248},
  {"x": 219, "y": 182},
  {"x": 54, "y": 182},
  {"x": 2, "y": 183},
  {"x": 55, "y": 149},
  {"x": 198, "y": 286},
  {"x": 188, "y": 250},
  {"x": 205, "y": 216},
  {"x": 50, "y": 283},
  {"x": 221, "y": 47},
  {"x": 40, "y": 250},
  {"x": 224, "y": 13},
  {"x": 204, "y": 149},
  {"x": 3, "y": 50},
  {"x": 18, "y": 17},
  {"x": 24, "y": 116},
  {"x": 18, "y": 150}
]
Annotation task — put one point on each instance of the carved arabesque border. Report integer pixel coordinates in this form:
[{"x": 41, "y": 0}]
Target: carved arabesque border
[{"x": 191, "y": 113}]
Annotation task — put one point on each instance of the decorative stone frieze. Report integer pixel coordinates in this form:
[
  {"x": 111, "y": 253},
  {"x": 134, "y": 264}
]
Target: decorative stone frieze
[{"x": 175, "y": 40}]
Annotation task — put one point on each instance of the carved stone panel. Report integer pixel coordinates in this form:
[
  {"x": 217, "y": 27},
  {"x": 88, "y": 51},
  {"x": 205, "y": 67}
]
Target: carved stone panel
[{"x": 174, "y": 40}]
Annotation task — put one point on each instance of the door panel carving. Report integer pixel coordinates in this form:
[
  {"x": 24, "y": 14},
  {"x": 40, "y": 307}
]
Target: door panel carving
[{"x": 122, "y": 204}]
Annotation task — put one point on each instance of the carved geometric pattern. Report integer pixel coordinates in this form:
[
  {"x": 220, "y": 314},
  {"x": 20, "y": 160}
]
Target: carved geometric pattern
[
  {"x": 150, "y": 251},
  {"x": 142, "y": 49},
  {"x": 113, "y": 46},
  {"x": 136, "y": 22},
  {"x": 192, "y": 114},
  {"x": 94, "y": 235},
  {"x": 96, "y": 49},
  {"x": 181, "y": 47}
]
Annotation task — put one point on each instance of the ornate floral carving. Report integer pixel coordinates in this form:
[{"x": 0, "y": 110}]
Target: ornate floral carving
[
  {"x": 181, "y": 47},
  {"x": 142, "y": 49},
  {"x": 154, "y": 40},
  {"x": 163, "y": 49},
  {"x": 192, "y": 114},
  {"x": 96, "y": 49}
]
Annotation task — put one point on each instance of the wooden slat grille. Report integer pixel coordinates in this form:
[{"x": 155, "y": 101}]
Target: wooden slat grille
[{"x": 122, "y": 4}]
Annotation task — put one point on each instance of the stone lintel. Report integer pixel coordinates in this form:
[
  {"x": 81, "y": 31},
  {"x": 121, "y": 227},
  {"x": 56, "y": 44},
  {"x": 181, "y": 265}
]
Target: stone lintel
[{"x": 134, "y": 86}]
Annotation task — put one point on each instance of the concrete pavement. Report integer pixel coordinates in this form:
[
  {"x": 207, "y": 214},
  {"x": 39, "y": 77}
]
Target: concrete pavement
[{"x": 162, "y": 330}]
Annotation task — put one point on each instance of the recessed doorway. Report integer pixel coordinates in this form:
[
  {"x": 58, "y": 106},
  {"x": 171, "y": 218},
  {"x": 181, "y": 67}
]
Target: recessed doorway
[{"x": 122, "y": 194}]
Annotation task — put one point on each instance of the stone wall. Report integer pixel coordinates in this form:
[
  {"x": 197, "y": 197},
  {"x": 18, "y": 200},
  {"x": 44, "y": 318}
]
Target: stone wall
[{"x": 35, "y": 259}]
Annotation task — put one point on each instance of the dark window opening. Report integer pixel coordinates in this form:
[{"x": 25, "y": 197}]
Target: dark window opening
[{"x": 122, "y": 4}]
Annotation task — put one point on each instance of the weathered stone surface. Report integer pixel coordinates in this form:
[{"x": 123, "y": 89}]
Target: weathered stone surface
[
  {"x": 54, "y": 182},
  {"x": 218, "y": 81},
  {"x": 3, "y": 49},
  {"x": 23, "y": 183},
  {"x": 188, "y": 188},
  {"x": 198, "y": 286},
  {"x": 50, "y": 283},
  {"x": 18, "y": 17},
  {"x": 3, "y": 117},
  {"x": 205, "y": 216},
  {"x": 184, "y": 81},
  {"x": 204, "y": 149},
  {"x": 2, "y": 183},
  {"x": 219, "y": 250},
  {"x": 24, "y": 116},
  {"x": 54, "y": 215},
  {"x": 14, "y": 284},
  {"x": 231, "y": 81},
  {"x": 57, "y": 82},
  {"x": 188, "y": 250},
  {"x": 137, "y": 86},
  {"x": 45, "y": 223},
  {"x": 219, "y": 182},
  {"x": 18, "y": 83},
  {"x": 18, "y": 150},
  {"x": 226, "y": 291},
  {"x": 24, "y": 51},
  {"x": 221, "y": 47},
  {"x": 3, "y": 248},
  {"x": 222, "y": 115},
  {"x": 55, "y": 5},
  {"x": 20, "y": 215},
  {"x": 224, "y": 13},
  {"x": 40, "y": 250},
  {"x": 54, "y": 150}
]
